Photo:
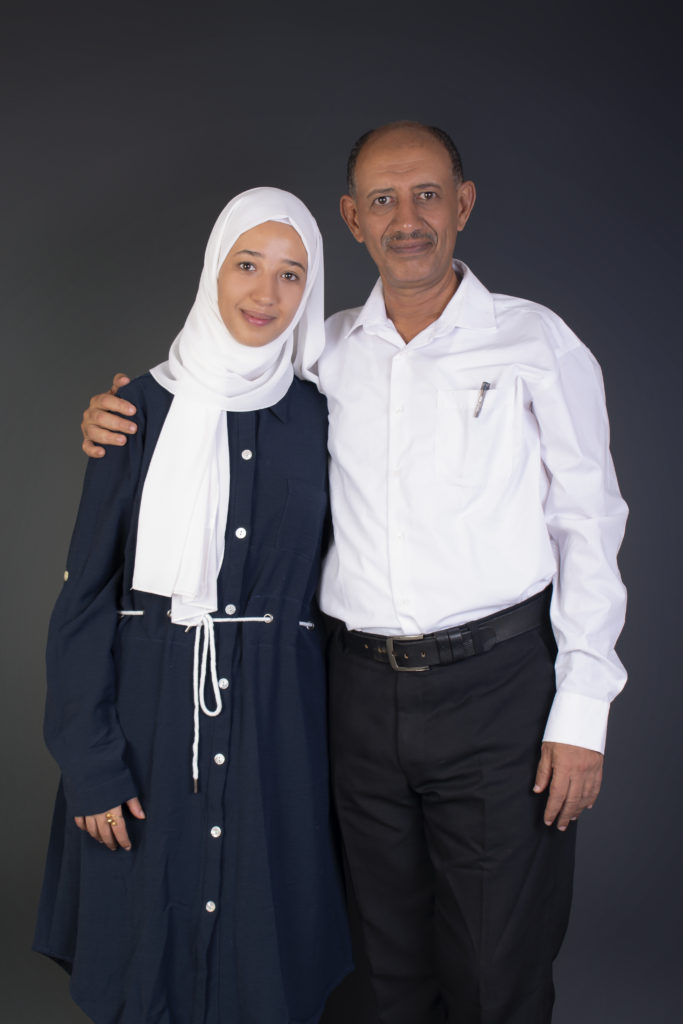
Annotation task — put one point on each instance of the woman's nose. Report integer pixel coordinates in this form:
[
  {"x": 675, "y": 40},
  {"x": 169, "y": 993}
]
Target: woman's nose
[{"x": 264, "y": 291}]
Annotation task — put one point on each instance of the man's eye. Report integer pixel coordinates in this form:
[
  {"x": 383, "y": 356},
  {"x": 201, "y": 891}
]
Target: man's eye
[
  {"x": 427, "y": 195},
  {"x": 382, "y": 200}
]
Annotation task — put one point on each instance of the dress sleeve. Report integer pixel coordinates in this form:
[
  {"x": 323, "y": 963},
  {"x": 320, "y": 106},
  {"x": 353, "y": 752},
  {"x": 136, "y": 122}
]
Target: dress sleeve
[
  {"x": 81, "y": 727},
  {"x": 585, "y": 517}
]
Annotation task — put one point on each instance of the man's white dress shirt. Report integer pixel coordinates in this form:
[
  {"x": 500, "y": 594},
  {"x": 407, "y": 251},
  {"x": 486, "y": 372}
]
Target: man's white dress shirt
[{"x": 442, "y": 516}]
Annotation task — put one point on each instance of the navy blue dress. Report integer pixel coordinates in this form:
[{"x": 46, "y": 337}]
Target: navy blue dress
[{"x": 229, "y": 909}]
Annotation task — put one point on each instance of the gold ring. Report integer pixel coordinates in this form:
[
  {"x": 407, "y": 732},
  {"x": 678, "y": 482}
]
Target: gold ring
[{"x": 111, "y": 820}]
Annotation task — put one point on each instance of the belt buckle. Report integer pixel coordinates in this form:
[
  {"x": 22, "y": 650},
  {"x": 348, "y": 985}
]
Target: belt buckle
[{"x": 392, "y": 657}]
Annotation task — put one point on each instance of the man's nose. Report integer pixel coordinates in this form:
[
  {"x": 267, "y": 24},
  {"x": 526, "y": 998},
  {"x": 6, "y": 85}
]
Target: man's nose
[{"x": 407, "y": 216}]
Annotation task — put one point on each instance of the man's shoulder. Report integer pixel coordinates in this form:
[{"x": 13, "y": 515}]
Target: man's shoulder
[
  {"x": 529, "y": 317},
  {"x": 514, "y": 306},
  {"x": 339, "y": 324}
]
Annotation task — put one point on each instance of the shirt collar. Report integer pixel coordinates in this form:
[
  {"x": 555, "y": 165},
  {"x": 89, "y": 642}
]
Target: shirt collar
[
  {"x": 281, "y": 408},
  {"x": 471, "y": 307}
]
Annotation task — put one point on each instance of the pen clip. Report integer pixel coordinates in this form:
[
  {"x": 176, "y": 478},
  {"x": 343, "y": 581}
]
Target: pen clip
[{"x": 485, "y": 385}]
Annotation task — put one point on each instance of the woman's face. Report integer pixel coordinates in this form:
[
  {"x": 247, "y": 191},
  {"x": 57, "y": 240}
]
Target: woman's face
[{"x": 261, "y": 282}]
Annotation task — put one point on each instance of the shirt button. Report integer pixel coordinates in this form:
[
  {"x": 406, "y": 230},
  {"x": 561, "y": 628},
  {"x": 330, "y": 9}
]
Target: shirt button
[
  {"x": 219, "y": 758},
  {"x": 240, "y": 532},
  {"x": 246, "y": 454},
  {"x": 210, "y": 906},
  {"x": 216, "y": 832},
  {"x": 224, "y": 683},
  {"x": 66, "y": 575},
  {"x": 230, "y": 609}
]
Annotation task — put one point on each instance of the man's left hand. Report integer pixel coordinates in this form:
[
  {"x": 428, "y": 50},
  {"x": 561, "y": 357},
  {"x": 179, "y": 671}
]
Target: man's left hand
[{"x": 574, "y": 775}]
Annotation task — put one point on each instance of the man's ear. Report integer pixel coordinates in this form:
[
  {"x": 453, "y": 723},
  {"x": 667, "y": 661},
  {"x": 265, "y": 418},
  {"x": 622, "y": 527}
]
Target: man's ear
[
  {"x": 467, "y": 195},
  {"x": 349, "y": 212}
]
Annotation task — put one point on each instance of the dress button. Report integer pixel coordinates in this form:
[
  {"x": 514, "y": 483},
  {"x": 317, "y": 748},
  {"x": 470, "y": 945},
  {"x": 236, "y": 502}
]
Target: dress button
[
  {"x": 224, "y": 683},
  {"x": 219, "y": 758},
  {"x": 216, "y": 832},
  {"x": 210, "y": 906},
  {"x": 246, "y": 454},
  {"x": 66, "y": 575},
  {"x": 240, "y": 532},
  {"x": 230, "y": 609}
]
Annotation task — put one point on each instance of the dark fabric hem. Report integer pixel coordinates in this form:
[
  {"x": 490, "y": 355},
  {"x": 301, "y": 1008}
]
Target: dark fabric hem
[
  {"x": 64, "y": 962},
  {"x": 67, "y": 965}
]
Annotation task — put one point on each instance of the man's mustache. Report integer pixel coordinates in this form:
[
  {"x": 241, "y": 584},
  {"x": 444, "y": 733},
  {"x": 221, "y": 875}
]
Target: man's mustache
[{"x": 408, "y": 236}]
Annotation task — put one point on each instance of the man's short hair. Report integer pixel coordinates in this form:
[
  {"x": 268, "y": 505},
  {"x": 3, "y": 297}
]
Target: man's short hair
[{"x": 438, "y": 133}]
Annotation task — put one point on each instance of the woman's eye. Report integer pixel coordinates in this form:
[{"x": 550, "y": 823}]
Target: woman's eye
[
  {"x": 289, "y": 275},
  {"x": 245, "y": 265}
]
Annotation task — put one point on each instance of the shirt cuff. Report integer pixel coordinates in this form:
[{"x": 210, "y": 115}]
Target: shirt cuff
[
  {"x": 579, "y": 720},
  {"x": 85, "y": 797}
]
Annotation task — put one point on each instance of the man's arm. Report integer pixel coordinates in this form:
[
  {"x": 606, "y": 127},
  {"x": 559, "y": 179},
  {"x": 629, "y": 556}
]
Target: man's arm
[
  {"x": 103, "y": 421},
  {"x": 585, "y": 516}
]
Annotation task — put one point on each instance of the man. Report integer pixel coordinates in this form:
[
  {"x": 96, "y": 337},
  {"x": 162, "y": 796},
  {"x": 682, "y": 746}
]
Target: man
[{"x": 469, "y": 470}]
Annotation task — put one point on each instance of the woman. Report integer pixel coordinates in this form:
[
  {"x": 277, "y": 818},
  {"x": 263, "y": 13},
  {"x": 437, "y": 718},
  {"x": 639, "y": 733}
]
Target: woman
[{"x": 185, "y": 672}]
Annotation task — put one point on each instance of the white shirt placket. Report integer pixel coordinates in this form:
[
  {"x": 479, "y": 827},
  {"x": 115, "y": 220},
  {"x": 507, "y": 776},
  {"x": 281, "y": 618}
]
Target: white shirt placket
[{"x": 402, "y": 586}]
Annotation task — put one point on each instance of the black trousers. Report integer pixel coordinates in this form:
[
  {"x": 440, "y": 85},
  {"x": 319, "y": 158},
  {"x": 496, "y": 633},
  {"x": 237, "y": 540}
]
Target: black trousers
[{"x": 463, "y": 892}]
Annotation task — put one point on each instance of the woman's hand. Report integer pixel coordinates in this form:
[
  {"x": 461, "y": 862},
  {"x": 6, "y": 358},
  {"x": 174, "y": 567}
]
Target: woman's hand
[{"x": 110, "y": 827}]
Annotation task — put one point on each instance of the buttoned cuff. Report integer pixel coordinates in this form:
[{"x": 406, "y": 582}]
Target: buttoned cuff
[{"x": 579, "y": 720}]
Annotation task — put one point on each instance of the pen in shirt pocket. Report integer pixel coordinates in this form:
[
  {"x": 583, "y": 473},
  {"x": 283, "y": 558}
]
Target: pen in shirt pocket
[{"x": 485, "y": 386}]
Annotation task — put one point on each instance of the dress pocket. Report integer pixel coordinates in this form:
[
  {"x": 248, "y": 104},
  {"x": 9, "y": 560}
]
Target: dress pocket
[{"x": 468, "y": 446}]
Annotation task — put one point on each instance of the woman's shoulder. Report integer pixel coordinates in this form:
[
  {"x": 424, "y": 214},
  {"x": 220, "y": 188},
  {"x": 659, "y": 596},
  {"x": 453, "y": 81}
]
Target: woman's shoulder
[
  {"x": 304, "y": 399},
  {"x": 145, "y": 392},
  {"x": 151, "y": 401}
]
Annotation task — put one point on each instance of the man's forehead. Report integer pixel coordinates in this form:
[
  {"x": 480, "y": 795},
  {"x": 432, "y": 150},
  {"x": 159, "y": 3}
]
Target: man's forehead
[{"x": 403, "y": 153}]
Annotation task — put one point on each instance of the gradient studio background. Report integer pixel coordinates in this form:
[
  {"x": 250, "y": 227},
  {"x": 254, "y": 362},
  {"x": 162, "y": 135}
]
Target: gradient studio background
[{"x": 126, "y": 129}]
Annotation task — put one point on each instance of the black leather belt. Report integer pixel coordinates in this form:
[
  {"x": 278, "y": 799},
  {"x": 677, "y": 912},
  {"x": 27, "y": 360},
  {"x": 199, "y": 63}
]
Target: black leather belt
[{"x": 422, "y": 652}]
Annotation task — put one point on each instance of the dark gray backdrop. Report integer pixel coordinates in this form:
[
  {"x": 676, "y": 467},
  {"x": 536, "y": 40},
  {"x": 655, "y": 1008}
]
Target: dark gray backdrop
[{"x": 127, "y": 129}]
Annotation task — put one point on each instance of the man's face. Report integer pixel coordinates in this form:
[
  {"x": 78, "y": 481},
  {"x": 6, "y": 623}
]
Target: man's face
[{"x": 407, "y": 208}]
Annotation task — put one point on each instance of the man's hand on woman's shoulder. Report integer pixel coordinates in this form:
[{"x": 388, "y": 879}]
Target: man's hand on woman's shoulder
[{"x": 103, "y": 421}]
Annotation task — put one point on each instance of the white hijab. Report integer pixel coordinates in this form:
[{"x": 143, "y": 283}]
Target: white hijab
[{"x": 184, "y": 508}]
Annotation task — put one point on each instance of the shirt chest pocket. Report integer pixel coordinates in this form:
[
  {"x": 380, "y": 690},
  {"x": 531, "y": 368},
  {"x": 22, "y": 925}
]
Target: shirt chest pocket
[{"x": 473, "y": 434}]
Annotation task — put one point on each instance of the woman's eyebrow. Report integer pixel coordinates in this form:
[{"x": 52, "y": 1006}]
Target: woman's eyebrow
[{"x": 252, "y": 252}]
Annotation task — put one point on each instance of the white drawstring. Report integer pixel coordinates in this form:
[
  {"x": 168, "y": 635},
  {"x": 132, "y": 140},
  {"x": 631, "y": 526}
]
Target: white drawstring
[{"x": 205, "y": 630}]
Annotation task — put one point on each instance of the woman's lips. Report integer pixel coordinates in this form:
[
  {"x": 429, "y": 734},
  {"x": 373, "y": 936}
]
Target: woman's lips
[{"x": 256, "y": 319}]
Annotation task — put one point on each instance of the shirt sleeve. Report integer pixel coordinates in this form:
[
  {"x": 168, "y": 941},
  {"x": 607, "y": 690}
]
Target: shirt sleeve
[
  {"x": 81, "y": 726},
  {"x": 585, "y": 517}
]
